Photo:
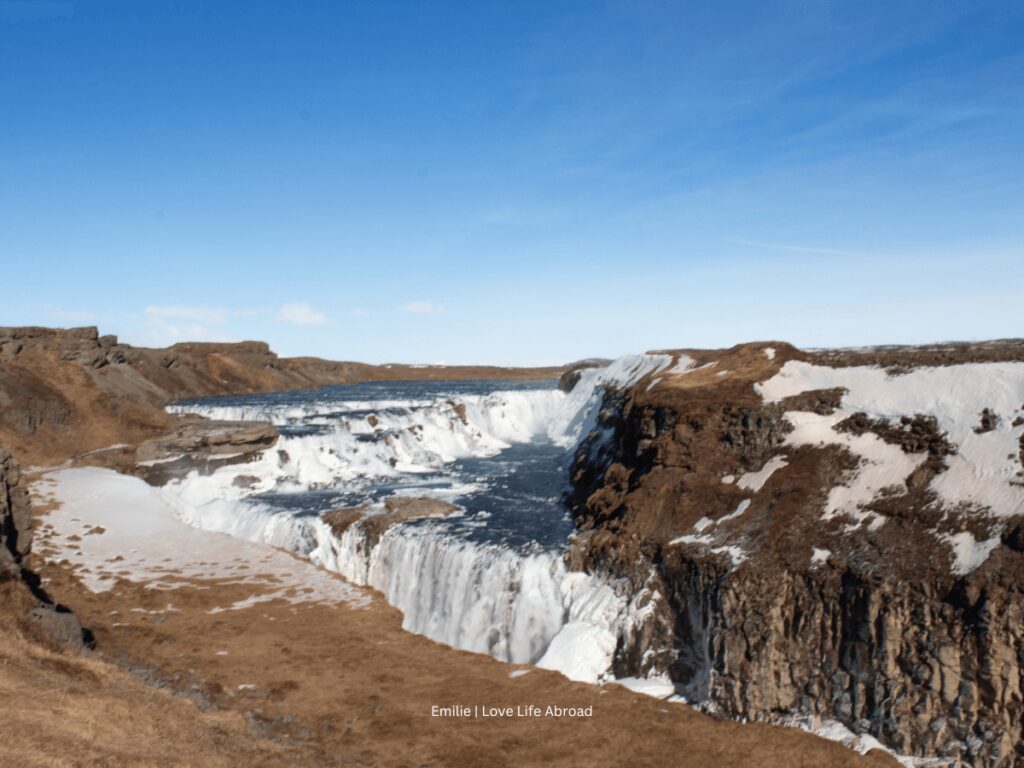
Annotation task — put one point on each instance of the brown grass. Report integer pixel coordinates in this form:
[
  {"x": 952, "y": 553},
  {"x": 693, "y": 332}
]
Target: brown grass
[{"x": 322, "y": 685}]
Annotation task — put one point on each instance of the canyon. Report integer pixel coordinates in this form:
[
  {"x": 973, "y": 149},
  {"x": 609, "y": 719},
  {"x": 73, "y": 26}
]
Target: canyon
[{"x": 771, "y": 534}]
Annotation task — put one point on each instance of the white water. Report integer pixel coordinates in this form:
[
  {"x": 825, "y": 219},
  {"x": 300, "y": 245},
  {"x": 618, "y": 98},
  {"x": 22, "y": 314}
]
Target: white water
[{"x": 456, "y": 581}]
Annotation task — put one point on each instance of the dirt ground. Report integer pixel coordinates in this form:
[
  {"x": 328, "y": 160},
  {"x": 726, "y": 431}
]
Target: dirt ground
[{"x": 315, "y": 684}]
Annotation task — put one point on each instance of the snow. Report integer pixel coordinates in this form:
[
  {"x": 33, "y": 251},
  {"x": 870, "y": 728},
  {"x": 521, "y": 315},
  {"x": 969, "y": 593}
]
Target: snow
[
  {"x": 706, "y": 522},
  {"x": 660, "y": 687},
  {"x": 882, "y": 465},
  {"x": 769, "y": 352},
  {"x": 740, "y": 509},
  {"x": 861, "y": 743},
  {"x": 968, "y": 552},
  {"x": 735, "y": 553},
  {"x": 684, "y": 363},
  {"x": 820, "y": 555},
  {"x": 691, "y": 539},
  {"x": 144, "y": 542},
  {"x": 982, "y": 476},
  {"x": 754, "y": 481}
]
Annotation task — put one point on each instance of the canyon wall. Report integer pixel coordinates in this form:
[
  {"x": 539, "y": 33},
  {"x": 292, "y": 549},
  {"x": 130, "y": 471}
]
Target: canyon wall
[
  {"x": 15, "y": 517},
  {"x": 66, "y": 392},
  {"x": 804, "y": 556}
]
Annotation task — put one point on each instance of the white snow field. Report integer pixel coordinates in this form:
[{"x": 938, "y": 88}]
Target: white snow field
[{"x": 111, "y": 526}]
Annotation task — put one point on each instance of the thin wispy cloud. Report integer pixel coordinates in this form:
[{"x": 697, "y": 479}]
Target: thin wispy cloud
[
  {"x": 196, "y": 313},
  {"x": 161, "y": 331},
  {"x": 810, "y": 249},
  {"x": 300, "y": 313},
  {"x": 359, "y": 312},
  {"x": 421, "y": 308}
]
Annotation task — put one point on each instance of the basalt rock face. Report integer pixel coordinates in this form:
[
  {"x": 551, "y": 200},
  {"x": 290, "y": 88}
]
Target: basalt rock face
[
  {"x": 33, "y": 610},
  {"x": 784, "y": 579},
  {"x": 15, "y": 517}
]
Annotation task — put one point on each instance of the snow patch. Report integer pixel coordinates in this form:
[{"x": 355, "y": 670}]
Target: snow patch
[
  {"x": 754, "y": 481},
  {"x": 146, "y": 542},
  {"x": 684, "y": 363},
  {"x": 660, "y": 687},
  {"x": 968, "y": 552}
]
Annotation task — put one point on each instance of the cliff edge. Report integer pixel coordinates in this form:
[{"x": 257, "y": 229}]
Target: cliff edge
[{"x": 828, "y": 534}]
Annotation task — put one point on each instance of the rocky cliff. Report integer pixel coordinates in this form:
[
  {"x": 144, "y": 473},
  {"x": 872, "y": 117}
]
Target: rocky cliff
[
  {"x": 26, "y": 606},
  {"x": 66, "y": 392},
  {"x": 15, "y": 517},
  {"x": 836, "y": 534}
]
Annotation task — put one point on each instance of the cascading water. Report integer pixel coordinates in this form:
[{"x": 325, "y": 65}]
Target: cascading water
[{"x": 489, "y": 578}]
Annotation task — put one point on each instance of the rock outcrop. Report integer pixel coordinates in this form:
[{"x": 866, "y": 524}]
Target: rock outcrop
[
  {"x": 36, "y": 614},
  {"x": 783, "y": 581},
  {"x": 373, "y": 522},
  {"x": 201, "y": 445},
  {"x": 15, "y": 517}
]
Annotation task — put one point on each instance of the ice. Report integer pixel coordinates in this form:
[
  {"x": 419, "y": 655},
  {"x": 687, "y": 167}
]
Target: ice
[
  {"x": 520, "y": 607},
  {"x": 583, "y": 648}
]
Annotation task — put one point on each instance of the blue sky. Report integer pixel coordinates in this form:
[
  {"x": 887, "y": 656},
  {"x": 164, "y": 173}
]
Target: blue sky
[{"x": 513, "y": 182}]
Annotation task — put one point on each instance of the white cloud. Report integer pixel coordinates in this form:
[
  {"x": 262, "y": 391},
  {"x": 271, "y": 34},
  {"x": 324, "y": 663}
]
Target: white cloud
[
  {"x": 359, "y": 312},
  {"x": 199, "y": 314},
  {"x": 421, "y": 308},
  {"x": 161, "y": 332},
  {"x": 300, "y": 313}
]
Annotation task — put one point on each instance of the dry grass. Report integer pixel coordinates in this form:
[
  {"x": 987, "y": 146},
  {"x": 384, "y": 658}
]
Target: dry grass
[
  {"x": 320, "y": 685},
  {"x": 68, "y": 709}
]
